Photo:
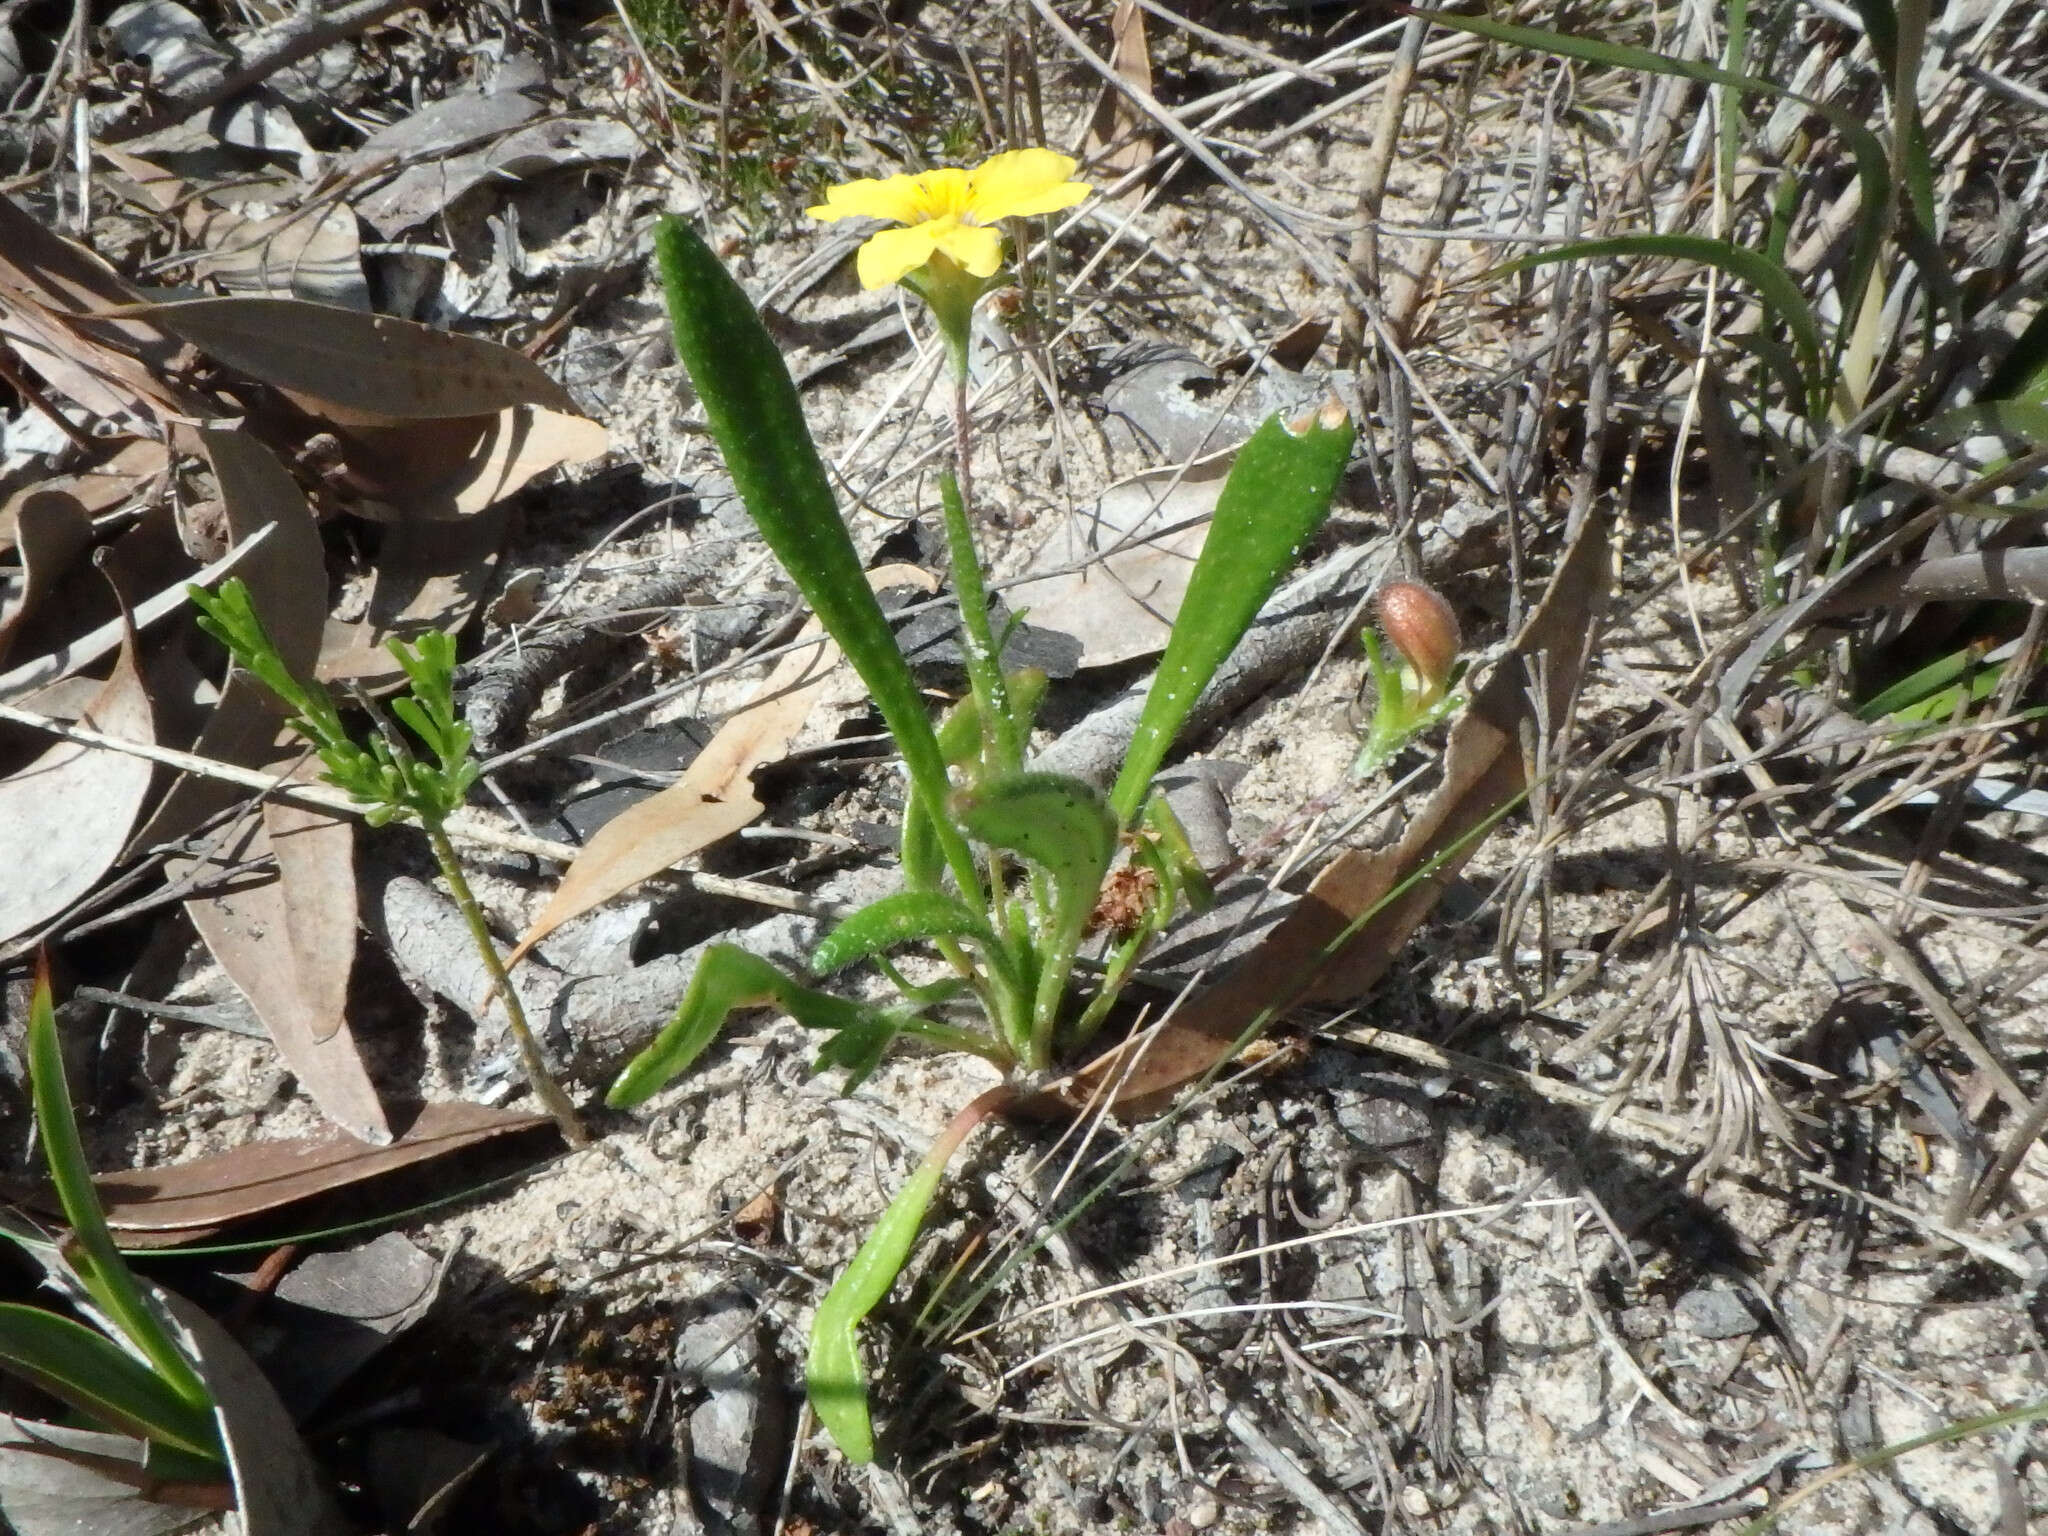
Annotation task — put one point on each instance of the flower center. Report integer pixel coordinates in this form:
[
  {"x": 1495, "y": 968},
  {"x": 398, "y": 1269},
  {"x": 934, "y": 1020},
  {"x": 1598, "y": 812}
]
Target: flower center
[{"x": 943, "y": 194}]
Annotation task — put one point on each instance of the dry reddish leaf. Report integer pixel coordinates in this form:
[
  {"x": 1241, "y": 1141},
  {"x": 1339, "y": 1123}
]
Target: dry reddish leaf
[
  {"x": 53, "y": 301},
  {"x": 287, "y": 578},
  {"x": 288, "y": 940},
  {"x": 1483, "y": 774},
  {"x": 430, "y": 575},
  {"x": 186, "y": 1202},
  {"x": 65, "y": 817},
  {"x": 755, "y": 1222},
  {"x": 311, "y": 253},
  {"x": 458, "y": 466},
  {"x": 133, "y": 469},
  {"x": 358, "y": 369},
  {"x": 51, "y": 530},
  {"x": 715, "y": 796},
  {"x": 1119, "y": 135},
  {"x": 1134, "y": 556}
]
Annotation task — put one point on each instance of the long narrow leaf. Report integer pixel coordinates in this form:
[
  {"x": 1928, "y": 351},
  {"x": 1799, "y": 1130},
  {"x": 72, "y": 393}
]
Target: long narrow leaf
[
  {"x": 101, "y": 1380},
  {"x": 756, "y": 417},
  {"x": 92, "y": 1255},
  {"x": 1774, "y": 285},
  {"x": 1277, "y": 496},
  {"x": 727, "y": 978},
  {"x": 1872, "y": 162},
  {"x": 835, "y": 1380}
]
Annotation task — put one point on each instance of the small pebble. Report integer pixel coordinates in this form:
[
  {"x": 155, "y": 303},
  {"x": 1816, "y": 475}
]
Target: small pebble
[{"x": 1712, "y": 1313}]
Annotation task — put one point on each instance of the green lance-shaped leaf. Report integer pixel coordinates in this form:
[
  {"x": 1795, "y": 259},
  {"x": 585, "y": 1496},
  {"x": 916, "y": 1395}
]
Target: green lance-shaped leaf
[
  {"x": 1065, "y": 827},
  {"x": 834, "y": 1378},
  {"x": 755, "y": 415},
  {"x": 727, "y": 978},
  {"x": 101, "y": 1380},
  {"x": 1277, "y": 496},
  {"x": 905, "y": 918},
  {"x": 91, "y": 1252}
]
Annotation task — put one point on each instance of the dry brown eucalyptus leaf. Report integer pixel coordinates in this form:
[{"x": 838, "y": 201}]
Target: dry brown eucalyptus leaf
[
  {"x": 429, "y": 575},
  {"x": 287, "y": 579},
  {"x": 1119, "y": 137},
  {"x": 287, "y": 939},
  {"x": 715, "y": 796},
  {"x": 359, "y": 369},
  {"x": 53, "y": 301},
  {"x": 50, "y": 530},
  {"x": 1134, "y": 553},
  {"x": 185, "y": 1202},
  {"x": 66, "y": 816}
]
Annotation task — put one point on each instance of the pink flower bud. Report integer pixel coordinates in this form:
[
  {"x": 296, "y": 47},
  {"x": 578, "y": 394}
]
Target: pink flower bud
[{"x": 1420, "y": 625}]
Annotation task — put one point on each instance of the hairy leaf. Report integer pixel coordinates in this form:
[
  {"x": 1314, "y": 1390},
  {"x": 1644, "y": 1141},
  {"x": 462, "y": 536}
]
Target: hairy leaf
[
  {"x": 1277, "y": 497},
  {"x": 727, "y": 978},
  {"x": 755, "y": 415}
]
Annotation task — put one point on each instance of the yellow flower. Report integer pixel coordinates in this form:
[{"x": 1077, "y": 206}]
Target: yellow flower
[{"x": 949, "y": 212}]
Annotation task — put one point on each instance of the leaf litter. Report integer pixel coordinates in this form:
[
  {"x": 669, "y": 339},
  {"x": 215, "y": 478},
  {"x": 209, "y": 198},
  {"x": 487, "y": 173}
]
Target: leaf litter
[{"x": 1651, "y": 951}]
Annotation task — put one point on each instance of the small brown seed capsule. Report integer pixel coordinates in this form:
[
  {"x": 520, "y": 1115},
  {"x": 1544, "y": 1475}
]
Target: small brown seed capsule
[{"x": 1420, "y": 625}]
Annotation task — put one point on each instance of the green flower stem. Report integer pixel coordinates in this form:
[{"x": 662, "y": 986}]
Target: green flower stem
[
  {"x": 984, "y": 668},
  {"x": 544, "y": 1085}
]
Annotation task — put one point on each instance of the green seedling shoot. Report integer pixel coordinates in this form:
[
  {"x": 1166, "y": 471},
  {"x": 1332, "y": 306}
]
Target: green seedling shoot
[
  {"x": 127, "y": 1373},
  {"x": 391, "y": 779},
  {"x": 1004, "y": 868}
]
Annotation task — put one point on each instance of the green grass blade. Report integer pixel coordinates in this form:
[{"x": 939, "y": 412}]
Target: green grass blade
[
  {"x": 1873, "y": 217},
  {"x": 1774, "y": 285},
  {"x": 727, "y": 978},
  {"x": 101, "y": 1380},
  {"x": 1277, "y": 496},
  {"x": 758, "y": 421},
  {"x": 91, "y": 1253}
]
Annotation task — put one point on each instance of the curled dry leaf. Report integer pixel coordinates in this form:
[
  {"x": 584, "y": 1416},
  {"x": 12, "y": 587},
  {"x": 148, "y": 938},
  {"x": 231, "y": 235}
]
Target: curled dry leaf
[
  {"x": 715, "y": 796},
  {"x": 50, "y": 530},
  {"x": 430, "y": 575},
  {"x": 457, "y": 466},
  {"x": 66, "y": 816},
  {"x": 287, "y": 939},
  {"x": 279, "y": 1491},
  {"x": 286, "y": 573},
  {"x": 1483, "y": 777}
]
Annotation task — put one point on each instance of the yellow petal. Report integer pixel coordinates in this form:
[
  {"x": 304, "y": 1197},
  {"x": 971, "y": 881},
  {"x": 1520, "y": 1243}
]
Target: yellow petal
[
  {"x": 948, "y": 190},
  {"x": 895, "y": 253},
  {"x": 979, "y": 250},
  {"x": 899, "y": 198},
  {"x": 1023, "y": 181}
]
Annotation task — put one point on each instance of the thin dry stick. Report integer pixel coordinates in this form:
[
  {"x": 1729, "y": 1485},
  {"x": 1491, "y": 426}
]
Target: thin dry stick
[
  {"x": 462, "y": 827},
  {"x": 1964, "y": 1038}
]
